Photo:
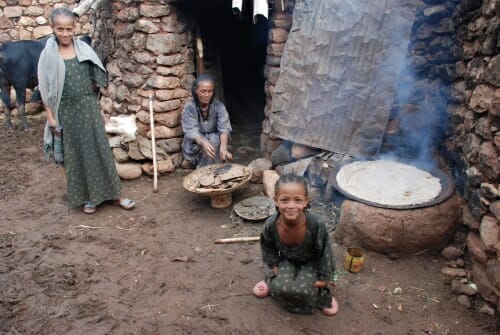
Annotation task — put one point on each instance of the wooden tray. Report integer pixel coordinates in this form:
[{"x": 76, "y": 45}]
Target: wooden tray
[{"x": 190, "y": 182}]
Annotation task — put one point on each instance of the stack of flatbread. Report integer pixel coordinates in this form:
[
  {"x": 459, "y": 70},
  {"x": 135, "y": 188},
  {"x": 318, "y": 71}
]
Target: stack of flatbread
[
  {"x": 221, "y": 178},
  {"x": 388, "y": 183}
]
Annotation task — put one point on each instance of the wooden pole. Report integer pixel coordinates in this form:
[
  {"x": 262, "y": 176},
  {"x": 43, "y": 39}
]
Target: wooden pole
[
  {"x": 237, "y": 240},
  {"x": 153, "y": 142}
]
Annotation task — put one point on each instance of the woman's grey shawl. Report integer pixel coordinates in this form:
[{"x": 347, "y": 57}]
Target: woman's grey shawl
[{"x": 51, "y": 72}]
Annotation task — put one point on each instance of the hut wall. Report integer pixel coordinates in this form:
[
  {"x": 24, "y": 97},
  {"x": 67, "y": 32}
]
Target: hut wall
[
  {"x": 29, "y": 19},
  {"x": 280, "y": 23},
  {"x": 474, "y": 110},
  {"x": 448, "y": 103},
  {"x": 148, "y": 50}
]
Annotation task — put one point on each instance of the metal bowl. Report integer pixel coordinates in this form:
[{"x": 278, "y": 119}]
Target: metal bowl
[{"x": 255, "y": 208}]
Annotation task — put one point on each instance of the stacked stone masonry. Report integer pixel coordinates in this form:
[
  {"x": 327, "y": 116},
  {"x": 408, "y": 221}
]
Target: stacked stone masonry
[
  {"x": 280, "y": 25},
  {"x": 29, "y": 19},
  {"x": 475, "y": 115},
  {"x": 148, "y": 50}
]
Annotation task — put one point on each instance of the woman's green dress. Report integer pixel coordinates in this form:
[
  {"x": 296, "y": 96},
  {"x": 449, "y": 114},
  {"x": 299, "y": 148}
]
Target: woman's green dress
[{"x": 88, "y": 161}]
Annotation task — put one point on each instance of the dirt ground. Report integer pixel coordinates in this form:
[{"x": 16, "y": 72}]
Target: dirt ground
[{"x": 156, "y": 270}]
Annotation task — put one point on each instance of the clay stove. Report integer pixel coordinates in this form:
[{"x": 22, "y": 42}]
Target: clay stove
[{"x": 400, "y": 230}]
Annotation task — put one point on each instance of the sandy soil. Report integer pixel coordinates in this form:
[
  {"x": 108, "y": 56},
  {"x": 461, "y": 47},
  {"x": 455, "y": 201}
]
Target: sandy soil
[{"x": 156, "y": 270}]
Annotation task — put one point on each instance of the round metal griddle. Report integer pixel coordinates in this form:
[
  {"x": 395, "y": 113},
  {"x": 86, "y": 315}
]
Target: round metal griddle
[
  {"x": 447, "y": 189},
  {"x": 255, "y": 208}
]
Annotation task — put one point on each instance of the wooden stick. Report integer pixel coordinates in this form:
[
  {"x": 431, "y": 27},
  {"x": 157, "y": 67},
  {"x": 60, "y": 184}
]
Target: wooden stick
[
  {"x": 237, "y": 240},
  {"x": 282, "y": 5},
  {"x": 153, "y": 142}
]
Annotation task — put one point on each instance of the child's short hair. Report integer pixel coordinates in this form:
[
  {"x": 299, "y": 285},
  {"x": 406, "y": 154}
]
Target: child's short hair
[{"x": 291, "y": 178}]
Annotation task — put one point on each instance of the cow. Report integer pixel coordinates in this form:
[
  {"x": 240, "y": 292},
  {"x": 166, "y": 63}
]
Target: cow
[{"x": 18, "y": 68}]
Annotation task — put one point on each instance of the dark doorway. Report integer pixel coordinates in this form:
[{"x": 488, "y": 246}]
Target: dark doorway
[{"x": 234, "y": 50}]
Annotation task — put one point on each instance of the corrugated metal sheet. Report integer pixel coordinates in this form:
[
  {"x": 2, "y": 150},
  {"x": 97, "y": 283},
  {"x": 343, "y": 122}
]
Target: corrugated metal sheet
[{"x": 339, "y": 73}]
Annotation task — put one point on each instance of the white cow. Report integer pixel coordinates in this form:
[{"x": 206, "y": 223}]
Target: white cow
[{"x": 84, "y": 6}]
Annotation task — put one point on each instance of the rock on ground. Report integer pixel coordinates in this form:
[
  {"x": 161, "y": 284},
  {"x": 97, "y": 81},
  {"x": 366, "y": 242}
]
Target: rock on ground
[
  {"x": 121, "y": 156},
  {"x": 464, "y": 301},
  {"x": 463, "y": 288},
  {"x": 453, "y": 272},
  {"x": 451, "y": 252},
  {"x": 258, "y": 166},
  {"x": 487, "y": 309},
  {"x": 129, "y": 170},
  {"x": 269, "y": 179}
]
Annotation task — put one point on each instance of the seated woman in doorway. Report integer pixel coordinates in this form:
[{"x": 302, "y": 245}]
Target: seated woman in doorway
[
  {"x": 206, "y": 126},
  {"x": 69, "y": 75},
  {"x": 296, "y": 247}
]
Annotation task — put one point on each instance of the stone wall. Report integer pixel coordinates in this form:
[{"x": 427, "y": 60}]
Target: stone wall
[
  {"x": 280, "y": 23},
  {"x": 418, "y": 122},
  {"x": 148, "y": 50},
  {"x": 29, "y": 19},
  {"x": 475, "y": 114},
  {"x": 150, "y": 45}
]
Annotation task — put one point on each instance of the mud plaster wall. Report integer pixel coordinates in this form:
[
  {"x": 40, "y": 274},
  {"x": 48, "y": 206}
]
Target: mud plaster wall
[
  {"x": 29, "y": 19},
  {"x": 475, "y": 114}
]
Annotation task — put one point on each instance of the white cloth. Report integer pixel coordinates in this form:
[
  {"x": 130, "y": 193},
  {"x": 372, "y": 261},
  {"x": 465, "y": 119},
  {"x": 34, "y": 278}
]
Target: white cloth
[
  {"x": 237, "y": 6},
  {"x": 260, "y": 7}
]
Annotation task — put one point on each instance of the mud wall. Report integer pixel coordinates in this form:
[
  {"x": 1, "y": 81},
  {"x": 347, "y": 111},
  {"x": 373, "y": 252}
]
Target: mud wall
[
  {"x": 29, "y": 19},
  {"x": 475, "y": 114}
]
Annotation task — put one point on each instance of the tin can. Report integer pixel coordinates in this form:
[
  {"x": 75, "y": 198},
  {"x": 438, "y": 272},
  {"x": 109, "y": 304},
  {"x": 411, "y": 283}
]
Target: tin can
[{"x": 354, "y": 258}]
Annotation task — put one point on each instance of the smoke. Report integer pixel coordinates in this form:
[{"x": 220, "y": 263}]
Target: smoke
[{"x": 419, "y": 118}]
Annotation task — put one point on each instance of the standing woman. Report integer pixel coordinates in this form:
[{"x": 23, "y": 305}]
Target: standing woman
[{"x": 69, "y": 75}]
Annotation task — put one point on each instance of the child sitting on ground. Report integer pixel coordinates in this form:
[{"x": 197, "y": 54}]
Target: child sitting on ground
[{"x": 296, "y": 246}]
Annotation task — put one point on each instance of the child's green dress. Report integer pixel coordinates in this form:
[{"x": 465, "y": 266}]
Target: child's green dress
[{"x": 300, "y": 266}]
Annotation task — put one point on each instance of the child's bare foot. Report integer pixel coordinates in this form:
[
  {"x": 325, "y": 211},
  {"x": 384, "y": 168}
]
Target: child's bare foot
[
  {"x": 329, "y": 311},
  {"x": 261, "y": 289}
]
